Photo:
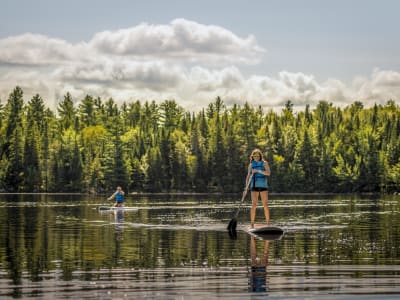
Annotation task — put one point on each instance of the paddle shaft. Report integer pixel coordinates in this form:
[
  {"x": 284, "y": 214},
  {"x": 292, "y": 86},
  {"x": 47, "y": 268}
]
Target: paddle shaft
[{"x": 244, "y": 195}]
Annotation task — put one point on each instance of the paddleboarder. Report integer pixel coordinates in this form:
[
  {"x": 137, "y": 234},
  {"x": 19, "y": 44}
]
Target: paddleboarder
[
  {"x": 119, "y": 197},
  {"x": 258, "y": 170}
]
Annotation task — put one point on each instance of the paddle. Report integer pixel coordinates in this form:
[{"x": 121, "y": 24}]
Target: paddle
[
  {"x": 233, "y": 222},
  {"x": 105, "y": 205}
]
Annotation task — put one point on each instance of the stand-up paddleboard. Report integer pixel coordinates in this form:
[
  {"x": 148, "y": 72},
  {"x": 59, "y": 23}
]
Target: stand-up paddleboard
[
  {"x": 265, "y": 229},
  {"x": 266, "y": 232},
  {"x": 113, "y": 208}
]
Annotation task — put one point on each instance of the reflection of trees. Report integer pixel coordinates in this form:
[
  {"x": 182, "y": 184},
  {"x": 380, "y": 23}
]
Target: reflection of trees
[
  {"x": 118, "y": 216},
  {"x": 37, "y": 239},
  {"x": 348, "y": 229},
  {"x": 119, "y": 226}
]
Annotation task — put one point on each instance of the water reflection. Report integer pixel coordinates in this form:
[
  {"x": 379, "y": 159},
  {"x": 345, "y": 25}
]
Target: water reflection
[
  {"x": 119, "y": 224},
  {"x": 258, "y": 269},
  {"x": 63, "y": 247},
  {"x": 259, "y": 248}
]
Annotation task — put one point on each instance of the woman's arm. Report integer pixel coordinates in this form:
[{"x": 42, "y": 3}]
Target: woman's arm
[
  {"x": 112, "y": 196},
  {"x": 267, "y": 170},
  {"x": 247, "y": 177}
]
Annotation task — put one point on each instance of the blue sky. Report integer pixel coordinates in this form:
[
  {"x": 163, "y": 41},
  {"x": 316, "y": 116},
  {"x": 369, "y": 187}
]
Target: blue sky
[{"x": 263, "y": 52}]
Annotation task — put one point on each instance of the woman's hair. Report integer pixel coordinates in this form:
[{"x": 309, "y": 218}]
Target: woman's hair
[{"x": 256, "y": 151}]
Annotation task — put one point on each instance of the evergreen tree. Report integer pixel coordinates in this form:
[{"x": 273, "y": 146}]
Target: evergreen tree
[
  {"x": 86, "y": 111},
  {"x": 68, "y": 164},
  {"x": 166, "y": 159},
  {"x": 36, "y": 145},
  {"x": 217, "y": 153},
  {"x": 32, "y": 166},
  {"x": 12, "y": 152},
  {"x": 307, "y": 163},
  {"x": 170, "y": 114},
  {"x": 153, "y": 174},
  {"x": 154, "y": 147},
  {"x": 67, "y": 113},
  {"x": 197, "y": 164},
  {"x": 120, "y": 168}
]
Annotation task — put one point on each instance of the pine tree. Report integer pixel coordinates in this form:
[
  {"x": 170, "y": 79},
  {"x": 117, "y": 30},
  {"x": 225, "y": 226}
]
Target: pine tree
[
  {"x": 86, "y": 111},
  {"x": 12, "y": 151},
  {"x": 66, "y": 112}
]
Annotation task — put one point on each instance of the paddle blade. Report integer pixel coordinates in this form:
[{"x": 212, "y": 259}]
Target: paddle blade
[
  {"x": 103, "y": 208},
  {"x": 232, "y": 225}
]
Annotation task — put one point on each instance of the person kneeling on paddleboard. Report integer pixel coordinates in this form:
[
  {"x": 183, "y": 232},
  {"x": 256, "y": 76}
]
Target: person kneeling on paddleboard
[
  {"x": 119, "y": 197},
  {"x": 258, "y": 170}
]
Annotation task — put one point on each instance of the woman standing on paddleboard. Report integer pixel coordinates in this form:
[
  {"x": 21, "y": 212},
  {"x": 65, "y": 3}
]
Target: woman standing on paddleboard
[
  {"x": 119, "y": 197},
  {"x": 258, "y": 171}
]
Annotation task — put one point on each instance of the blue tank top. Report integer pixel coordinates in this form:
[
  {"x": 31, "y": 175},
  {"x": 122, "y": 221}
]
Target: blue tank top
[
  {"x": 119, "y": 197},
  {"x": 258, "y": 180}
]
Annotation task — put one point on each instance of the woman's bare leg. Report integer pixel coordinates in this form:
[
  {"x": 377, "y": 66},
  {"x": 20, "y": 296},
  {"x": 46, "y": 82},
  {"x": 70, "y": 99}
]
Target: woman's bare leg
[
  {"x": 254, "y": 200},
  {"x": 264, "y": 199}
]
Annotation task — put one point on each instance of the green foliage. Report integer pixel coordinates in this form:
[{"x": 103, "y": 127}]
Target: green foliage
[
  {"x": 91, "y": 145},
  {"x": 13, "y": 140},
  {"x": 68, "y": 167},
  {"x": 66, "y": 112}
]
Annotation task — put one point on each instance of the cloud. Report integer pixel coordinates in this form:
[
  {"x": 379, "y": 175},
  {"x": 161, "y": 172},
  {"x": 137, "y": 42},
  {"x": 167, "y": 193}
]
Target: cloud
[
  {"x": 180, "y": 40},
  {"x": 146, "y": 75},
  {"x": 382, "y": 84},
  {"x": 36, "y": 49},
  {"x": 190, "y": 62}
]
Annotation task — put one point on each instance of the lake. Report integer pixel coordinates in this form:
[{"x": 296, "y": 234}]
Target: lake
[{"x": 177, "y": 247}]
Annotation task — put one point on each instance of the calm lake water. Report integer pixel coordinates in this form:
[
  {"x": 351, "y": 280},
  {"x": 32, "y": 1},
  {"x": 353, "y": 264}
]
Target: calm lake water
[{"x": 177, "y": 247}]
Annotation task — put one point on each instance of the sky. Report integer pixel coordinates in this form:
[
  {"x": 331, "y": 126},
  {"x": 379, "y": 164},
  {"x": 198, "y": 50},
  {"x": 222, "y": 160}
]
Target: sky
[{"x": 263, "y": 52}]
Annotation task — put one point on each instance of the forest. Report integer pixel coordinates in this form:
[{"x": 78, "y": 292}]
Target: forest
[{"x": 92, "y": 145}]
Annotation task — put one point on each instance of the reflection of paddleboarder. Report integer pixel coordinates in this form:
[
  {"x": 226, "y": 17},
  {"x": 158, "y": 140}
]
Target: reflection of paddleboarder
[
  {"x": 119, "y": 220},
  {"x": 258, "y": 271}
]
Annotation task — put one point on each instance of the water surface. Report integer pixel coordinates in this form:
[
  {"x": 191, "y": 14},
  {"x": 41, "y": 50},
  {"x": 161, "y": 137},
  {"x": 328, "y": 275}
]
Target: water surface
[{"x": 177, "y": 247}]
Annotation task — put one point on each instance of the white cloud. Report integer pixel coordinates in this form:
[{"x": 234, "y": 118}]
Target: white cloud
[
  {"x": 36, "y": 49},
  {"x": 382, "y": 84},
  {"x": 145, "y": 75},
  {"x": 184, "y": 60},
  {"x": 180, "y": 40}
]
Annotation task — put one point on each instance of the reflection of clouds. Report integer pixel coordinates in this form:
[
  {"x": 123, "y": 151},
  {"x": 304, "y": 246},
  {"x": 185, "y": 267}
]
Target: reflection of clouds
[{"x": 186, "y": 61}]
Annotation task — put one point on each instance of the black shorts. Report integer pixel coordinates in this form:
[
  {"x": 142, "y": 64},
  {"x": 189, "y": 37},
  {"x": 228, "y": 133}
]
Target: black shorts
[{"x": 259, "y": 189}]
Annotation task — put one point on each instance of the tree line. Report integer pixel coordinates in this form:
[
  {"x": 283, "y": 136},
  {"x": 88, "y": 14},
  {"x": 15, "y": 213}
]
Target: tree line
[{"x": 93, "y": 145}]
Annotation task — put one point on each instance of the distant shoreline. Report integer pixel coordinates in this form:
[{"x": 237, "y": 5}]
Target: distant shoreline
[{"x": 187, "y": 194}]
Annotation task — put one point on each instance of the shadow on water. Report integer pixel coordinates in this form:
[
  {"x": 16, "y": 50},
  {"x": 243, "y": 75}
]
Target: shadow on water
[{"x": 61, "y": 246}]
